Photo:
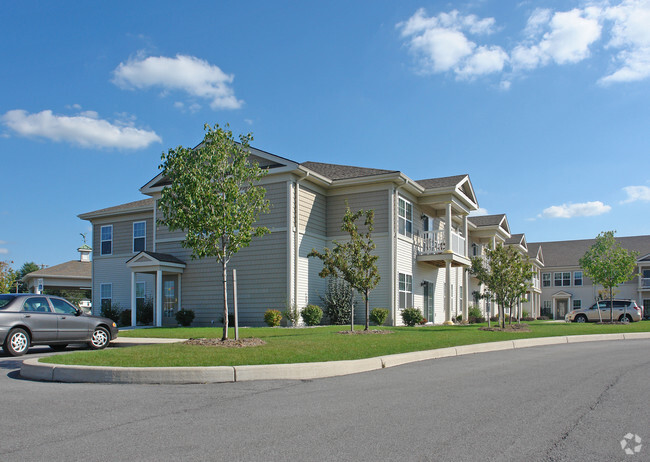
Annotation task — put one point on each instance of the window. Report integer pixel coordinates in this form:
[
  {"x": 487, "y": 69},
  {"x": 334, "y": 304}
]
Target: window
[
  {"x": 139, "y": 236},
  {"x": 139, "y": 294},
  {"x": 62, "y": 307},
  {"x": 105, "y": 295},
  {"x": 577, "y": 278},
  {"x": 106, "y": 240},
  {"x": 37, "y": 304},
  {"x": 562, "y": 279},
  {"x": 546, "y": 280},
  {"x": 475, "y": 251},
  {"x": 547, "y": 307},
  {"x": 577, "y": 304},
  {"x": 405, "y": 291},
  {"x": 405, "y": 221}
]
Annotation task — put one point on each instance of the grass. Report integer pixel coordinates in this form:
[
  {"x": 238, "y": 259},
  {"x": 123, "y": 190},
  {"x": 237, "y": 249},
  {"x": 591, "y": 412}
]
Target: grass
[{"x": 287, "y": 345}]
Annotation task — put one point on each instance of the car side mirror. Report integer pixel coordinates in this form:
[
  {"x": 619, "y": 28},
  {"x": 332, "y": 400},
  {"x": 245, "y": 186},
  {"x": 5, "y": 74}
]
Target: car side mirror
[{"x": 79, "y": 312}]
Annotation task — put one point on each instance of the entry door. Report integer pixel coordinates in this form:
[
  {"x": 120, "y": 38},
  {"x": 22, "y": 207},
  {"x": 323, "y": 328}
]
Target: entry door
[
  {"x": 170, "y": 301},
  {"x": 428, "y": 302},
  {"x": 646, "y": 308},
  {"x": 561, "y": 306}
]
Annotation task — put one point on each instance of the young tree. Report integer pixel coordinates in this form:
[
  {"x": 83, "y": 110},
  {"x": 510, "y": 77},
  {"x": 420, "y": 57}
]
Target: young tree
[
  {"x": 353, "y": 260},
  {"x": 506, "y": 274},
  {"x": 608, "y": 264},
  {"x": 7, "y": 277},
  {"x": 214, "y": 198},
  {"x": 28, "y": 267}
]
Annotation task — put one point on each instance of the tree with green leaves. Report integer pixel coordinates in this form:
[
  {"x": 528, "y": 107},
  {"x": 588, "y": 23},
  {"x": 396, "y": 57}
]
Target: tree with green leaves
[
  {"x": 507, "y": 275},
  {"x": 353, "y": 261},
  {"x": 28, "y": 267},
  {"x": 609, "y": 264},
  {"x": 7, "y": 277},
  {"x": 214, "y": 198}
]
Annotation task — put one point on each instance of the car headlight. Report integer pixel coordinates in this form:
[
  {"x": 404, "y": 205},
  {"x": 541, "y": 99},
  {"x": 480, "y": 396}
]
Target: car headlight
[{"x": 114, "y": 325}]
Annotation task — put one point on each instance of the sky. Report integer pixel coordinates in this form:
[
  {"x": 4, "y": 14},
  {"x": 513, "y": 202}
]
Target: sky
[{"x": 545, "y": 104}]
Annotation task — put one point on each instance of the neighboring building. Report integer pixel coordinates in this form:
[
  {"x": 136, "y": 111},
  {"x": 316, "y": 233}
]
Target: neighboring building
[
  {"x": 71, "y": 275},
  {"x": 421, "y": 233},
  {"x": 565, "y": 287}
]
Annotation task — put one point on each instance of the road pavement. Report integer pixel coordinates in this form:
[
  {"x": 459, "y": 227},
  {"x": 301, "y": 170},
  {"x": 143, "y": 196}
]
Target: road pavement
[{"x": 573, "y": 402}]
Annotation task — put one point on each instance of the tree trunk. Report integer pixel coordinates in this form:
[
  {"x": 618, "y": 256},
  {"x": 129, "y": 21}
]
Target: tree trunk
[
  {"x": 611, "y": 304},
  {"x": 367, "y": 311},
  {"x": 352, "y": 318},
  {"x": 224, "y": 276}
]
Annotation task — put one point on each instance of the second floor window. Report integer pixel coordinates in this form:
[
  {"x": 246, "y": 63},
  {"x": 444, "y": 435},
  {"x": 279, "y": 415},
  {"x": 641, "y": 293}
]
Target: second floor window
[
  {"x": 106, "y": 240},
  {"x": 405, "y": 214},
  {"x": 562, "y": 279},
  {"x": 139, "y": 236},
  {"x": 546, "y": 280},
  {"x": 577, "y": 278}
]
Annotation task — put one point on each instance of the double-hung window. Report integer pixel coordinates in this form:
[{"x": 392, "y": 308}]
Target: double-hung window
[
  {"x": 140, "y": 294},
  {"x": 405, "y": 217},
  {"x": 105, "y": 295},
  {"x": 577, "y": 304},
  {"x": 405, "y": 291},
  {"x": 562, "y": 279},
  {"x": 577, "y": 278},
  {"x": 139, "y": 236},
  {"x": 546, "y": 279},
  {"x": 106, "y": 244}
]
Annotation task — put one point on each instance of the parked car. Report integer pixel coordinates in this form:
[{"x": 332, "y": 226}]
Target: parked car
[
  {"x": 34, "y": 319},
  {"x": 624, "y": 311}
]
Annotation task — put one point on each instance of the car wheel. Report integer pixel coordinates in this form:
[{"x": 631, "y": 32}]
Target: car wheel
[
  {"x": 625, "y": 318},
  {"x": 59, "y": 346},
  {"x": 17, "y": 342},
  {"x": 100, "y": 339},
  {"x": 581, "y": 318}
]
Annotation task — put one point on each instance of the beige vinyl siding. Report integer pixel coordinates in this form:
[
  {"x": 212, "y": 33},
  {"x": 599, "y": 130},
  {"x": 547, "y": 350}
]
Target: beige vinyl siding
[
  {"x": 313, "y": 212},
  {"x": 276, "y": 194},
  {"x": 261, "y": 279},
  {"x": 113, "y": 270},
  {"x": 310, "y": 285},
  {"x": 376, "y": 200},
  {"x": 123, "y": 234}
]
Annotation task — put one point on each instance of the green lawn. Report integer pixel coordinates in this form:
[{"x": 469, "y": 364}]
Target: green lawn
[{"x": 287, "y": 345}]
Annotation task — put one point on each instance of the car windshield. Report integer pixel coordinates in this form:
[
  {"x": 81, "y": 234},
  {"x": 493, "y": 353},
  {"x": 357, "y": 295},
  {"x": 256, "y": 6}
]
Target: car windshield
[{"x": 5, "y": 299}]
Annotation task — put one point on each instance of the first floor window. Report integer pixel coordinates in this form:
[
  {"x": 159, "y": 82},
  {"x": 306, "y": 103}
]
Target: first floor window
[
  {"x": 577, "y": 304},
  {"x": 546, "y": 280},
  {"x": 405, "y": 218},
  {"x": 105, "y": 295},
  {"x": 139, "y": 294},
  {"x": 405, "y": 291},
  {"x": 547, "y": 307}
]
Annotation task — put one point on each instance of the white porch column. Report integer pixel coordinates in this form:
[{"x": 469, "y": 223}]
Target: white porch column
[
  {"x": 159, "y": 296},
  {"x": 448, "y": 293},
  {"x": 178, "y": 292},
  {"x": 133, "y": 300},
  {"x": 465, "y": 292},
  {"x": 448, "y": 230},
  {"x": 465, "y": 235}
]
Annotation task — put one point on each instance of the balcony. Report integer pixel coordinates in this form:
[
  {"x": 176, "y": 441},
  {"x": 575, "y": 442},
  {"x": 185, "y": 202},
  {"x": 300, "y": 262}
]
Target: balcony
[
  {"x": 432, "y": 247},
  {"x": 645, "y": 283}
]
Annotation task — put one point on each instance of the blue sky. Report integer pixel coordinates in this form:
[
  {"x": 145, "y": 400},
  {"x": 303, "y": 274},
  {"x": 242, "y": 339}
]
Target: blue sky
[{"x": 544, "y": 104}]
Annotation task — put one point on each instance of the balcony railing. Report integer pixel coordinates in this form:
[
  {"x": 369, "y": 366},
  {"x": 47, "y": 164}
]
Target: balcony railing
[{"x": 434, "y": 242}]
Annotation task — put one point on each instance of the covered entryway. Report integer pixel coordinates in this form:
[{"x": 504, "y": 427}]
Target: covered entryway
[
  {"x": 167, "y": 296},
  {"x": 561, "y": 304}
]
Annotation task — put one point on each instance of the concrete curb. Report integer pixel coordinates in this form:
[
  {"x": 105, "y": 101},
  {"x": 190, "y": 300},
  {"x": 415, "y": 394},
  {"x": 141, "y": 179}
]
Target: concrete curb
[{"x": 34, "y": 370}]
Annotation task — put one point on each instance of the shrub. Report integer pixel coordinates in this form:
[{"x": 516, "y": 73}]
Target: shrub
[
  {"x": 524, "y": 314},
  {"x": 474, "y": 312},
  {"x": 144, "y": 311},
  {"x": 111, "y": 310},
  {"x": 528, "y": 319},
  {"x": 411, "y": 316},
  {"x": 338, "y": 301},
  {"x": 459, "y": 318},
  {"x": 185, "y": 317},
  {"x": 423, "y": 321},
  {"x": 494, "y": 318},
  {"x": 475, "y": 319},
  {"x": 292, "y": 313},
  {"x": 125, "y": 318},
  {"x": 378, "y": 316},
  {"x": 272, "y": 318},
  {"x": 542, "y": 318},
  {"x": 312, "y": 315}
]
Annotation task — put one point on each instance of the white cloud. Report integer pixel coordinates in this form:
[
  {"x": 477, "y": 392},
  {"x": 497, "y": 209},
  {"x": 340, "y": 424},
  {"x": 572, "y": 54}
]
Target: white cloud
[
  {"x": 192, "y": 75},
  {"x": 585, "y": 209},
  {"x": 85, "y": 129},
  {"x": 3, "y": 250},
  {"x": 636, "y": 193},
  {"x": 441, "y": 44},
  {"x": 480, "y": 211}
]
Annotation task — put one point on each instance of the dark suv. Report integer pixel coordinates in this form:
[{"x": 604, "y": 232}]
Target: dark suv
[
  {"x": 624, "y": 311},
  {"x": 34, "y": 319}
]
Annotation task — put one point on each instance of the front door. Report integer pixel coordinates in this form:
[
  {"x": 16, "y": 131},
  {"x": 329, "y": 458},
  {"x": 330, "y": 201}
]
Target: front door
[
  {"x": 170, "y": 301},
  {"x": 561, "y": 306},
  {"x": 428, "y": 302}
]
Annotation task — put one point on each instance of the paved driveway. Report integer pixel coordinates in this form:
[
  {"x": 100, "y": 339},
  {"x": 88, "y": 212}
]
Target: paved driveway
[{"x": 564, "y": 403}]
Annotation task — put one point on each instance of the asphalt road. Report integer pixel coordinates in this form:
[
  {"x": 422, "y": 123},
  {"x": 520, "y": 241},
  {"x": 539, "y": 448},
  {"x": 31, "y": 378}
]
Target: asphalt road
[{"x": 572, "y": 402}]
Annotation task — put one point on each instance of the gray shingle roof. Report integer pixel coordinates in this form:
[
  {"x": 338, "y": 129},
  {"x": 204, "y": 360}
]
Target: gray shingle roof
[
  {"x": 70, "y": 269},
  {"x": 444, "y": 182},
  {"x": 515, "y": 239},
  {"x": 567, "y": 253},
  {"x": 342, "y": 172},
  {"x": 124, "y": 207},
  {"x": 164, "y": 257},
  {"x": 486, "y": 220}
]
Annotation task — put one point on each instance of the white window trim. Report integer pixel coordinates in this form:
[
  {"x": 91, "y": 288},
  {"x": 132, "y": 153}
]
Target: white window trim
[
  {"x": 582, "y": 277},
  {"x": 400, "y": 217},
  {"x": 406, "y": 292},
  {"x": 102, "y": 240},
  {"x": 133, "y": 238},
  {"x": 110, "y": 284},
  {"x": 550, "y": 280},
  {"x": 144, "y": 290}
]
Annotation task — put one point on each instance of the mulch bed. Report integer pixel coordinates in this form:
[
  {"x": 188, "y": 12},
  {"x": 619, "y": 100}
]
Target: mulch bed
[
  {"x": 364, "y": 332},
  {"x": 229, "y": 343},
  {"x": 509, "y": 328}
]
